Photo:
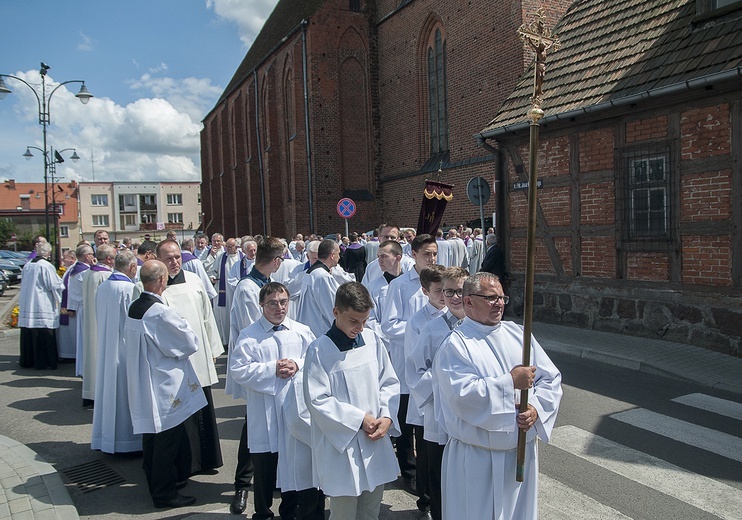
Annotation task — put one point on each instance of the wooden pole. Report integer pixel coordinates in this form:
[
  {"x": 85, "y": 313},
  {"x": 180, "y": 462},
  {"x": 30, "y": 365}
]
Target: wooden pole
[{"x": 540, "y": 40}]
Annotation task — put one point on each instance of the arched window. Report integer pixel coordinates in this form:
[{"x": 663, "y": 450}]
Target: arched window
[{"x": 437, "y": 93}]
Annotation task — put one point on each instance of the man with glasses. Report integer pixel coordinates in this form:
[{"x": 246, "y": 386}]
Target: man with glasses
[
  {"x": 477, "y": 375},
  {"x": 266, "y": 356}
]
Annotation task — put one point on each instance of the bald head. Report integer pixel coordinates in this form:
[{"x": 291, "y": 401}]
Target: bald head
[{"x": 153, "y": 276}]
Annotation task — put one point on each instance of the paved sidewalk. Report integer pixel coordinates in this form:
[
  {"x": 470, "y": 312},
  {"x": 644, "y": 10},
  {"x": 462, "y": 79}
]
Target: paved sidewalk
[
  {"x": 696, "y": 364},
  {"x": 29, "y": 487}
]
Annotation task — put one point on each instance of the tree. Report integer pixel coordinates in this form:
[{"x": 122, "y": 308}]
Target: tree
[{"x": 7, "y": 229}]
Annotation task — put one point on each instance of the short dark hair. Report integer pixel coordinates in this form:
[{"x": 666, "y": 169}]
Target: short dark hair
[
  {"x": 326, "y": 247},
  {"x": 393, "y": 245},
  {"x": 268, "y": 249},
  {"x": 272, "y": 288},
  {"x": 148, "y": 246},
  {"x": 422, "y": 240},
  {"x": 354, "y": 296},
  {"x": 431, "y": 274}
]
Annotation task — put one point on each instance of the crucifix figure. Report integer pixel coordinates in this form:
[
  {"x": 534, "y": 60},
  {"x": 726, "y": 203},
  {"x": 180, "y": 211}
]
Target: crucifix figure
[{"x": 541, "y": 40}]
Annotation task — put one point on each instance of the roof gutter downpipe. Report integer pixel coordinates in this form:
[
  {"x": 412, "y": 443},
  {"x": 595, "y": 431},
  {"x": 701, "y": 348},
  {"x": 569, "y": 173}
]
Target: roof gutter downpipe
[
  {"x": 310, "y": 190},
  {"x": 260, "y": 153}
]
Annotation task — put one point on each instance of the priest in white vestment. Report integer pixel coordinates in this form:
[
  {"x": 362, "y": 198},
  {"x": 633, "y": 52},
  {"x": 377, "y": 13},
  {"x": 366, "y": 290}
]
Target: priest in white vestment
[
  {"x": 240, "y": 269},
  {"x": 186, "y": 294},
  {"x": 92, "y": 278},
  {"x": 217, "y": 246},
  {"x": 476, "y": 253},
  {"x": 113, "y": 431},
  {"x": 477, "y": 378},
  {"x": 190, "y": 262},
  {"x": 444, "y": 249},
  {"x": 389, "y": 256},
  {"x": 164, "y": 391},
  {"x": 85, "y": 255},
  {"x": 318, "y": 288},
  {"x": 39, "y": 303},
  {"x": 352, "y": 394},
  {"x": 67, "y": 333},
  {"x": 218, "y": 273},
  {"x": 458, "y": 256},
  {"x": 266, "y": 356}
]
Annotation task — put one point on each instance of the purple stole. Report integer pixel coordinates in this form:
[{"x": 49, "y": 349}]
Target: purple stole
[
  {"x": 186, "y": 256},
  {"x": 140, "y": 262},
  {"x": 119, "y": 277},
  {"x": 98, "y": 267},
  {"x": 243, "y": 267},
  {"x": 64, "y": 318},
  {"x": 222, "y": 302}
]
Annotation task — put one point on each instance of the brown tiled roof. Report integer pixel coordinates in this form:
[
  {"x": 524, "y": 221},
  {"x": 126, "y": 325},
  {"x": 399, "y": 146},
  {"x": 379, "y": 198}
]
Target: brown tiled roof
[
  {"x": 286, "y": 16},
  {"x": 10, "y": 197},
  {"x": 613, "y": 50}
]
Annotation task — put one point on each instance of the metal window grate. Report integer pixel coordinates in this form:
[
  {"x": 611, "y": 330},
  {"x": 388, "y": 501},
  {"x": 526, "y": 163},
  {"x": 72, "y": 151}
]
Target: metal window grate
[{"x": 91, "y": 476}]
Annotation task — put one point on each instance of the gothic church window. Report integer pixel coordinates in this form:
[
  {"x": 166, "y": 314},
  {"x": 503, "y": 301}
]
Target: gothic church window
[{"x": 437, "y": 94}]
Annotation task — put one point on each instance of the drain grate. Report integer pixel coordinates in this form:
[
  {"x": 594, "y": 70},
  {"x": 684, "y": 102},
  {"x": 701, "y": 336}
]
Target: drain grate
[{"x": 91, "y": 476}]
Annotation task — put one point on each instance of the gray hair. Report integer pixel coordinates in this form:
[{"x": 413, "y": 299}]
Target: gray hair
[
  {"x": 105, "y": 251},
  {"x": 473, "y": 284},
  {"x": 491, "y": 239},
  {"x": 83, "y": 250},
  {"x": 124, "y": 261},
  {"x": 43, "y": 249}
]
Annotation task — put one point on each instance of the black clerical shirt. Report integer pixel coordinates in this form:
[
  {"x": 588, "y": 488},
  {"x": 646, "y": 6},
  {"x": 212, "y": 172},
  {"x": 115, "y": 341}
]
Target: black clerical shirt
[{"x": 342, "y": 341}]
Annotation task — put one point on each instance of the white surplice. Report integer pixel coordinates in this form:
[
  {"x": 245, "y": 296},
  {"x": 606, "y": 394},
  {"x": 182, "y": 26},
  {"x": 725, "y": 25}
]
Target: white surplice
[
  {"x": 475, "y": 248},
  {"x": 197, "y": 267},
  {"x": 340, "y": 388},
  {"x": 404, "y": 298},
  {"x": 458, "y": 257},
  {"x": 318, "y": 290},
  {"x": 221, "y": 312},
  {"x": 163, "y": 388},
  {"x": 295, "y": 447},
  {"x": 419, "y": 373},
  {"x": 91, "y": 280},
  {"x": 373, "y": 270},
  {"x": 40, "y": 296},
  {"x": 475, "y": 401},
  {"x": 444, "y": 252},
  {"x": 113, "y": 431},
  {"x": 412, "y": 332}
]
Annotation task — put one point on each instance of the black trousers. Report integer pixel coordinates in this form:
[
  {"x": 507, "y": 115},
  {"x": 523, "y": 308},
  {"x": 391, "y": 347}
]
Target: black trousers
[
  {"x": 266, "y": 469},
  {"x": 311, "y": 504},
  {"x": 435, "y": 461},
  {"x": 167, "y": 461},
  {"x": 243, "y": 473},
  {"x": 421, "y": 470},
  {"x": 206, "y": 452},
  {"x": 405, "y": 451}
]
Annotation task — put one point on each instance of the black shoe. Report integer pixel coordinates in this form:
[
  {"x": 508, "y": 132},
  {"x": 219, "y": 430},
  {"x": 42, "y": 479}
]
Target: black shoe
[
  {"x": 176, "y": 501},
  {"x": 410, "y": 485},
  {"x": 239, "y": 502}
]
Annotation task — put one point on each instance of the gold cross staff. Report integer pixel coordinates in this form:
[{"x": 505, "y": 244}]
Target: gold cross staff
[{"x": 540, "y": 39}]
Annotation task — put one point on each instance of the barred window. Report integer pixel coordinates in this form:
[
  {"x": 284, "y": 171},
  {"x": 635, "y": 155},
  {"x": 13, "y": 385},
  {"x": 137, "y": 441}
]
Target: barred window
[{"x": 648, "y": 203}]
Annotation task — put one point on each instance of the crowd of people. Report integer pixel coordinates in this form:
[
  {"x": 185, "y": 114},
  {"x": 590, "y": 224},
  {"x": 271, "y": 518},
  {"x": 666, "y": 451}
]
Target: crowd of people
[{"x": 359, "y": 358}]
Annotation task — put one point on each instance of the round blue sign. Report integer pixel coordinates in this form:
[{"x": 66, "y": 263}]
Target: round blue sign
[{"x": 346, "y": 208}]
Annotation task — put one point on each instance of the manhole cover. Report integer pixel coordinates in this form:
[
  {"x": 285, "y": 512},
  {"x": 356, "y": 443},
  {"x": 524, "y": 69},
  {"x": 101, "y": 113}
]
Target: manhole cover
[{"x": 91, "y": 476}]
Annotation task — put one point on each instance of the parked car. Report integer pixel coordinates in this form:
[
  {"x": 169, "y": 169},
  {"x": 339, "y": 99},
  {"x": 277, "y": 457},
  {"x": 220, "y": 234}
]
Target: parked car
[
  {"x": 3, "y": 284},
  {"x": 11, "y": 271},
  {"x": 13, "y": 257}
]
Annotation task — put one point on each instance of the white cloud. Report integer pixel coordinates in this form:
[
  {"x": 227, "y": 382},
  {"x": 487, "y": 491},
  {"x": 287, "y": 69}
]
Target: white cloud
[
  {"x": 249, "y": 15},
  {"x": 193, "y": 96},
  {"x": 86, "y": 44}
]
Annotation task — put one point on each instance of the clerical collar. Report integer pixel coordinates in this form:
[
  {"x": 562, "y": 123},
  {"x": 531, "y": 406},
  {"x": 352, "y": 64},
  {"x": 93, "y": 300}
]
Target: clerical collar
[
  {"x": 319, "y": 264},
  {"x": 389, "y": 277},
  {"x": 177, "y": 279},
  {"x": 481, "y": 327},
  {"x": 120, "y": 277},
  {"x": 258, "y": 277},
  {"x": 342, "y": 341}
]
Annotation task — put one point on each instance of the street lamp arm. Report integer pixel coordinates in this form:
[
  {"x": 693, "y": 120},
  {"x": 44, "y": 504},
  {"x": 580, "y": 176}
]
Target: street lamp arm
[{"x": 4, "y": 90}]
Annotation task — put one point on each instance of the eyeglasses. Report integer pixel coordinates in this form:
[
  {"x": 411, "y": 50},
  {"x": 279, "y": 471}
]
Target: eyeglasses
[
  {"x": 449, "y": 293},
  {"x": 493, "y": 298},
  {"x": 274, "y": 304},
  {"x": 280, "y": 258}
]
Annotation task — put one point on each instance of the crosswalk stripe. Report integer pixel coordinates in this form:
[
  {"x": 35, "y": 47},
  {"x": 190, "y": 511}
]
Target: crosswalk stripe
[
  {"x": 707, "y": 439},
  {"x": 712, "y": 404},
  {"x": 701, "y": 492},
  {"x": 559, "y": 502}
]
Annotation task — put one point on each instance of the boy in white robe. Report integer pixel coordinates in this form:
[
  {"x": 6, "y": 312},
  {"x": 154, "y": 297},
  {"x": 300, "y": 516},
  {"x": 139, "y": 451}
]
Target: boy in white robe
[
  {"x": 477, "y": 375},
  {"x": 163, "y": 387},
  {"x": 318, "y": 289},
  {"x": 432, "y": 286},
  {"x": 352, "y": 394},
  {"x": 419, "y": 378},
  {"x": 266, "y": 356},
  {"x": 112, "y": 428},
  {"x": 404, "y": 298}
]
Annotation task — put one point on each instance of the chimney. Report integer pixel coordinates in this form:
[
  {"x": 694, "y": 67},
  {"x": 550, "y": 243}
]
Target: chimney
[{"x": 10, "y": 184}]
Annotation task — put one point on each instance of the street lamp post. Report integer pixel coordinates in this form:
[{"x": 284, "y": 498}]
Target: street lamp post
[
  {"x": 43, "y": 102},
  {"x": 52, "y": 161}
]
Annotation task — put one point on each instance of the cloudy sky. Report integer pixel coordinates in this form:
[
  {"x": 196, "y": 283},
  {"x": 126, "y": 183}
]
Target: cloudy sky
[{"x": 155, "y": 67}]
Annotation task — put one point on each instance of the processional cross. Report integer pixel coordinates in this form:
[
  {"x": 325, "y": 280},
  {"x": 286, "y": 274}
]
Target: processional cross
[{"x": 539, "y": 38}]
